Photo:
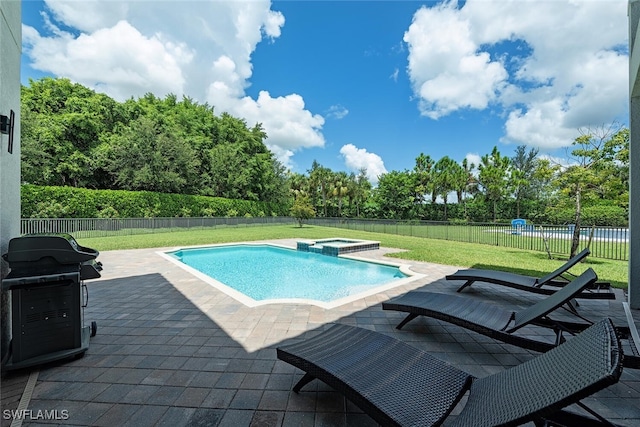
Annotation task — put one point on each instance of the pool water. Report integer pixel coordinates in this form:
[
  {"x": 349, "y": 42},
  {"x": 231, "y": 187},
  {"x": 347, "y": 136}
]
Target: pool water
[{"x": 264, "y": 272}]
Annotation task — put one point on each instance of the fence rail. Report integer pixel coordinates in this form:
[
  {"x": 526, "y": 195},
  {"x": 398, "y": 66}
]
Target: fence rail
[
  {"x": 105, "y": 227},
  {"x": 604, "y": 242}
]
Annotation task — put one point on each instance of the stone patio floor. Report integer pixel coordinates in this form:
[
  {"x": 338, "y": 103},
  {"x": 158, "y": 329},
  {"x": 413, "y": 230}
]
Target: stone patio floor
[{"x": 172, "y": 350}]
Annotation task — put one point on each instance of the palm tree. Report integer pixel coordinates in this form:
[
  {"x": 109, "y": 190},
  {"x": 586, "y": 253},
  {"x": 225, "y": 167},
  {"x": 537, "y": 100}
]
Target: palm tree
[
  {"x": 493, "y": 177},
  {"x": 320, "y": 178},
  {"x": 462, "y": 179},
  {"x": 422, "y": 175},
  {"x": 340, "y": 188},
  {"x": 523, "y": 167},
  {"x": 444, "y": 179},
  {"x": 362, "y": 189}
]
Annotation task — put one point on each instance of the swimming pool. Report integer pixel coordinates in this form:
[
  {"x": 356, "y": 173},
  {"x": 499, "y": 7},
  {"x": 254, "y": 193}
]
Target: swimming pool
[{"x": 261, "y": 274}]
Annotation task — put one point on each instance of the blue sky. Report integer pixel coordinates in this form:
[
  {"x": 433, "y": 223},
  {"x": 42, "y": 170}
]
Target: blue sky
[{"x": 357, "y": 83}]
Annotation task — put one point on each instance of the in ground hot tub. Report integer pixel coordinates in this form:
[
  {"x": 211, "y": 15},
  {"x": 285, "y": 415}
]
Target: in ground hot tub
[{"x": 337, "y": 246}]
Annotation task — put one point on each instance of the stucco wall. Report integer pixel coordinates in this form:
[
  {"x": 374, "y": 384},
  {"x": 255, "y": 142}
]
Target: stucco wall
[
  {"x": 634, "y": 154},
  {"x": 10, "y": 50}
]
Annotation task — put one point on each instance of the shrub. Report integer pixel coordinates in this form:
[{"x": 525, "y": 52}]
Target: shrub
[
  {"x": 70, "y": 202},
  {"x": 50, "y": 209},
  {"x": 598, "y": 215},
  {"x": 302, "y": 209},
  {"x": 108, "y": 212}
]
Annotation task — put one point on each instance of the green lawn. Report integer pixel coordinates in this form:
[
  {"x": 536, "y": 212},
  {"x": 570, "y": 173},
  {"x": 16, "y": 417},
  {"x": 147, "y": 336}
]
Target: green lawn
[{"x": 421, "y": 249}]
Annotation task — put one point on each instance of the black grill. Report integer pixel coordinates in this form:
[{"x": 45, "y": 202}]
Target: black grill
[{"x": 48, "y": 295}]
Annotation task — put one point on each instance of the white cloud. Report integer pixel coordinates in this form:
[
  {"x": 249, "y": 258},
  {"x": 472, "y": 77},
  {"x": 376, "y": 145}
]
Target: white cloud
[
  {"x": 121, "y": 59},
  {"x": 541, "y": 125},
  {"x": 88, "y": 16},
  {"x": 337, "y": 112},
  {"x": 569, "y": 69},
  {"x": 200, "y": 49},
  {"x": 289, "y": 125},
  {"x": 446, "y": 70},
  {"x": 394, "y": 75},
  {"x": 357, "y": 158}
]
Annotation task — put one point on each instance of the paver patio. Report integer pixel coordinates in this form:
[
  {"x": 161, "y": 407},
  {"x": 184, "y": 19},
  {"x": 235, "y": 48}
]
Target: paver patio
[{"x": 172, "y": 350}]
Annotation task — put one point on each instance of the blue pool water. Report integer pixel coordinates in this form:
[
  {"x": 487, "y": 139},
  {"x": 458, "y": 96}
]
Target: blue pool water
[{"x": 266, "y": 272}]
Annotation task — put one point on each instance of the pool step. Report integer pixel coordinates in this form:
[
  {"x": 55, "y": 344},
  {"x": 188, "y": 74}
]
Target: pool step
[{"x": 317, "y": 249}]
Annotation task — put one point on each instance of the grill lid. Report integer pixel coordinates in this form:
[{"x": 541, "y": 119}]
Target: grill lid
[{"x": 62, "y": 247}]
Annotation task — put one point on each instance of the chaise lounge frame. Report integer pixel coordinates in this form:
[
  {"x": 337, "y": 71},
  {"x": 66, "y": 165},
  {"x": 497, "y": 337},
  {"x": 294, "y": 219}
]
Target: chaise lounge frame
[
  {"x": 545, "y": 285},
  {"x": 399, "y": 385},
  {"x": 498, "y": 323}
]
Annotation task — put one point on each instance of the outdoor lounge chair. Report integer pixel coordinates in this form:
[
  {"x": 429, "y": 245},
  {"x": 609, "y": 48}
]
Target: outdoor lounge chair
[
  {"x": 545, "y": 285},
  {"x": 398, "y": 385},
  {"x": 498, "y": 323}
]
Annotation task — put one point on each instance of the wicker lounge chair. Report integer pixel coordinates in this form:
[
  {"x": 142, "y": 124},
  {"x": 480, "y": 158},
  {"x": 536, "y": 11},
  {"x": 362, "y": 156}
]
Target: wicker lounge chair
[
  {"x": 545, "y": 285},
  {"x": 498, "y": 323},
  {"x": 399, "y": 385}
]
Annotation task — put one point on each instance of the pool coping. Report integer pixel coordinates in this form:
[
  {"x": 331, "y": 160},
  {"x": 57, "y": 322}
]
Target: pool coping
[{"x": 250, "y": 302}]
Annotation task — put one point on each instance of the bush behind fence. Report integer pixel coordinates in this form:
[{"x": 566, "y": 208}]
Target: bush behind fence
[{"x": 604, "y": 242}]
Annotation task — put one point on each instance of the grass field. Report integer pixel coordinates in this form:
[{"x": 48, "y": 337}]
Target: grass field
[
  {"x": 533, "y": 263},
  {"x": 558, "y": 239}
]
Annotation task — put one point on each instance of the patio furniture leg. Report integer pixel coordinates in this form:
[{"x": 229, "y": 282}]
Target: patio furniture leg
[
  {"x": 306, "y": 379},
  {"x": 406, "y": 320},
  {"x": 466, "y": 284}
]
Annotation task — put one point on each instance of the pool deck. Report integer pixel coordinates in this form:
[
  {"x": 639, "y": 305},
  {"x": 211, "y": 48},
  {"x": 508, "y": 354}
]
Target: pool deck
[{"x": 172, "y": 350}]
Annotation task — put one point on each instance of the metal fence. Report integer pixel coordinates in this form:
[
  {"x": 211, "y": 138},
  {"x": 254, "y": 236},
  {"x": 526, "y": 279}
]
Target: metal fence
[
  {"x": 604, "y": 242},
  {"x": 104, "y": 227}
]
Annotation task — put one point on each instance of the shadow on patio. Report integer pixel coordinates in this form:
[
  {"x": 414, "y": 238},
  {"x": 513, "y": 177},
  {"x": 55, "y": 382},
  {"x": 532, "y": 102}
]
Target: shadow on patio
[{"x": 171, "y": 350}]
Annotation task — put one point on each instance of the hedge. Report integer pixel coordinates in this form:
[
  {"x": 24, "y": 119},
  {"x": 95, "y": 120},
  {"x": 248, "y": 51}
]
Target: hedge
[
  {"x": 599, "y": 215},
  {"x": 71, "y": 202}
]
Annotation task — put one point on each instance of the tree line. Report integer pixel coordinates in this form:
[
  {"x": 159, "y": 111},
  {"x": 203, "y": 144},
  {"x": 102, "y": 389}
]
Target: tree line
[
  {"x": 593, "y": 186},
  {"x": 73, "y": 136}
]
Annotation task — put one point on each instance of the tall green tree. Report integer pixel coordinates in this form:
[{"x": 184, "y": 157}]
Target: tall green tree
[
  {"x": 542, "y": 186},
  {"x": 423, "y": 182},
  {"x": 241, "y": 166},
  {"x": 340, "y": 188},
  {"x": 146, "y": 156},
  {"x": 616, "y": 167},
  {"x": 444, "y": 175},
  {"x": 361, "y": 190},
  {"x": 320, "y": 180},
  {"x": 463, "y": 180},
  {"x": 585, "y": 179},
  {"x": 74, "y": 136},
  {"x": 395, "y": 195},
  {"x": 523, "y": 167},
  {"x": 62, "y": 124},
  {"x": 298, "y": 183},
  {"x": 493, "y": 173}
]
